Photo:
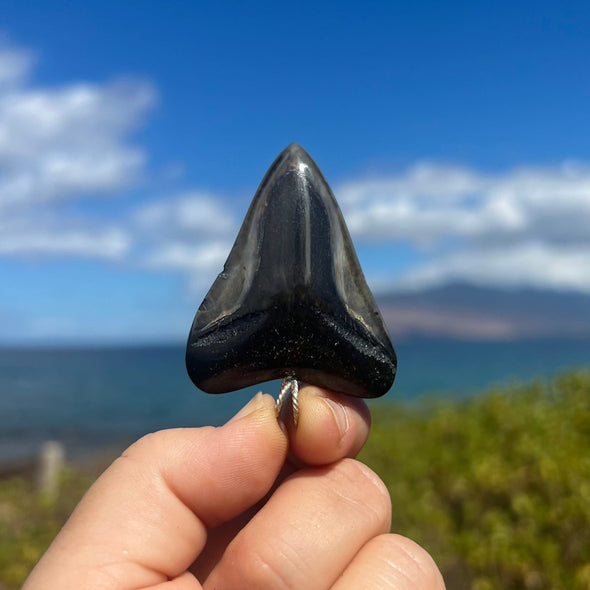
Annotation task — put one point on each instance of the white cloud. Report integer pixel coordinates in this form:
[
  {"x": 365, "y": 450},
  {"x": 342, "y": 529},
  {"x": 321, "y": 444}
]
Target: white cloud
[
  {"x": 82, "y": 115},
  {"x": 191, "y": 233},
  {"x": 524, "y": 265},
  {"x": 450, "y": 184},
  {"x": 431, "y": 203},
  {"x": 45, "y": 236},
  {"x": 406, "y": 219},
  {"x": 200, "y": 263},
  {"x": 60, "y": 144},
  {"x": 206, "y": 257},
  {"x": 15, "y": 65},
  {"x": 528, "y": 226},
  {"x": 193, "y": 213},
  {"x": 66, "y": 141}
]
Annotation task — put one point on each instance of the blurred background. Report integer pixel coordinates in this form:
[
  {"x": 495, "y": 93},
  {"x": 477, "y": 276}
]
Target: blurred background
[{"x": 133, "y": 136}]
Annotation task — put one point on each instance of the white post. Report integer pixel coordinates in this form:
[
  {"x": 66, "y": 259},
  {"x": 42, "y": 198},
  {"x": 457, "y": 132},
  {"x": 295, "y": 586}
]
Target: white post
[{"x": 51, "y": 463}]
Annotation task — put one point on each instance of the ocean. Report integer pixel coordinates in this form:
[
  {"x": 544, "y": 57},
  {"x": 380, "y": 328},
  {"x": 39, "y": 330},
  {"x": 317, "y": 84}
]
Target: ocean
[{"x": 97, "y": 397}]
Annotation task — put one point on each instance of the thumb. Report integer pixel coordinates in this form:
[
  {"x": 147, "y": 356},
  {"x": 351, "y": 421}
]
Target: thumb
[{"x": 145, "y": 520}]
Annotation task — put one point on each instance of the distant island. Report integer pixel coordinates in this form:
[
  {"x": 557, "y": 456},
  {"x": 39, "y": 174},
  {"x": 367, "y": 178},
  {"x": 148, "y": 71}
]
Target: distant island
[{"x": 486, "y": 313}]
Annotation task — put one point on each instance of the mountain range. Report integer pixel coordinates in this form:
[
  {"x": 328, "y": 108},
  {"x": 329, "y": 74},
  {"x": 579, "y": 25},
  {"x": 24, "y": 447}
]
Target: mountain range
[{"x": 486, "y": 313}]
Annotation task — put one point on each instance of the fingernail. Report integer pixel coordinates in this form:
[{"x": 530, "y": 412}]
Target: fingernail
[
  {"x": 340, "y": 415},
  {"x": 251, "y": 407}
]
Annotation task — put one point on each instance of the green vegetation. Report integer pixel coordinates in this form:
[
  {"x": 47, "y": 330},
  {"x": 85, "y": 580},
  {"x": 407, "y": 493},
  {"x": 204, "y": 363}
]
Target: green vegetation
[
  {"x": 29, "y": 522},
  {"x": 496, "y": 487}
]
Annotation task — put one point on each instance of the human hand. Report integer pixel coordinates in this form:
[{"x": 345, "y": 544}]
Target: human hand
[{"x": 230, "y": 508}]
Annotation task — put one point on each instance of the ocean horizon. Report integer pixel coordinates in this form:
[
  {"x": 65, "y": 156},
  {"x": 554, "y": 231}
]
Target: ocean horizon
[{"x": 95, "y": 397}]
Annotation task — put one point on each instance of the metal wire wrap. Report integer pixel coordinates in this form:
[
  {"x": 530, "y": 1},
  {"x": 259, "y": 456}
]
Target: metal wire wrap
[{"x": 289, "y": 384}]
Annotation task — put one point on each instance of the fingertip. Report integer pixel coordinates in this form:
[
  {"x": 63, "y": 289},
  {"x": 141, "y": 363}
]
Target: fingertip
[
  {"x": 416, "y": 561},
  {"x": 331, "y": 426},
  {"x": 393, "y": 561},
  {"x": 259, "y": 415},
  {"x": 261, "y": 409}
]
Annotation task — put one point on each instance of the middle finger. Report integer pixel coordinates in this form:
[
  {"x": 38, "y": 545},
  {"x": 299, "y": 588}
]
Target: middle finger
[{"x": 308, "y": 531}]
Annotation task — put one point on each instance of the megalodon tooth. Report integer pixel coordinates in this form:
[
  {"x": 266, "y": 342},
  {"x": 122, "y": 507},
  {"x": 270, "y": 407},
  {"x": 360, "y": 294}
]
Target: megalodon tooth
[{"x": 292, "y": 300}]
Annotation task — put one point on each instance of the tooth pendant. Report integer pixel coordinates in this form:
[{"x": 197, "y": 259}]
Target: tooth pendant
[{"x": 292, "y": 302}]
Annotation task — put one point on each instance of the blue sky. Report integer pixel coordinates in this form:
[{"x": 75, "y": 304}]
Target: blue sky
[{"x": 134, "y": 134}]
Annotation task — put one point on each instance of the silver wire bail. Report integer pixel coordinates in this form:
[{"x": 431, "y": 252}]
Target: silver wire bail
[{"x": 289, "y": 384}]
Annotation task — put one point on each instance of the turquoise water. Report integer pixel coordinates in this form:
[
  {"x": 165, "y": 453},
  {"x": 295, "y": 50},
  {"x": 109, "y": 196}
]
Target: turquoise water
[{"x": 93, "y": 397}]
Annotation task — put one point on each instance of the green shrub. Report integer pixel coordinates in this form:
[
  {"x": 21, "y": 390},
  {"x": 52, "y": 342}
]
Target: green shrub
[
  {"x": 497, "y": 487},
  {"x": 29, "y": 522}
]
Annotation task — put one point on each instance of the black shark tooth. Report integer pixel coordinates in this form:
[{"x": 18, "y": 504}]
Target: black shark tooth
[{"x": 292, "y": 299}]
